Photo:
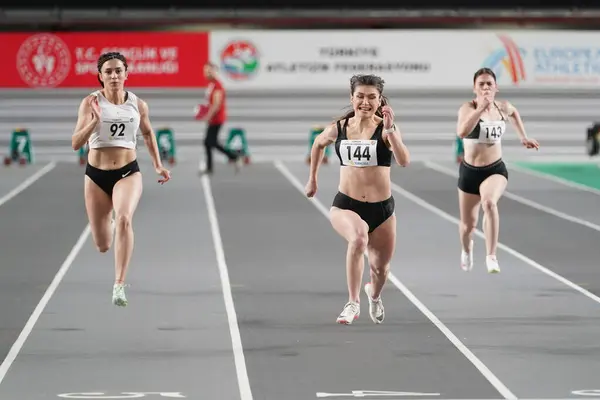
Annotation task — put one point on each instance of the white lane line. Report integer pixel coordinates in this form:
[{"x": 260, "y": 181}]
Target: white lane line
[
  {"x": 444, "y": 215},
  {"x": 16, "y": 347},
  {"x": 27, "y": 182},
  {"x": 522, "y": 200},
  {"x": 236, "y": 339},
  {"x": 485, "y": 371}
]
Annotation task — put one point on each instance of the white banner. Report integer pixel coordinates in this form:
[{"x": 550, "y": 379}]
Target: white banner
[{"x": 405, "y": 59}]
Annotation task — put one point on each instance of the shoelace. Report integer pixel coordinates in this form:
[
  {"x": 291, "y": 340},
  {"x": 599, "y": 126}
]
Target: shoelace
[
  {"x": 120, "y": 288},
  {"x": 349, "y": 309},
  {"x": 378, "y": 306}
]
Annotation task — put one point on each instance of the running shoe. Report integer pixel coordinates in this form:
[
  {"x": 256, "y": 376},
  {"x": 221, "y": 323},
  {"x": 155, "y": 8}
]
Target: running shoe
[
  {"x": 466, "y": 258},
  {"x": 376, "y": 310},
  {"x": 349, "y": 314},
  {"x": 492, "y": 264},
  {"x": 118, "y": 297}
]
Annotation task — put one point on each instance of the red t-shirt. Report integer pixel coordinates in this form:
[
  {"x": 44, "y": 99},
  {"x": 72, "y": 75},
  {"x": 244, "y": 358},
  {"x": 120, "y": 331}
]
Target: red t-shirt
[{"x": 221, "y": 114}]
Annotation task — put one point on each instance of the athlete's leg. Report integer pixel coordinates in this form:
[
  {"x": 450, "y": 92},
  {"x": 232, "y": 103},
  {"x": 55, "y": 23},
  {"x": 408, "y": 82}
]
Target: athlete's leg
[
  {"x": 126, "y": 196},
  {"x": 469, "y": 214},
  {"x": 491, "y": 190},
  {"x": 352, "y": 228},
  {"x": 98, "y": 206},
  {"x": 355, "y": 231},
  {"x": 382, "y": 243}
]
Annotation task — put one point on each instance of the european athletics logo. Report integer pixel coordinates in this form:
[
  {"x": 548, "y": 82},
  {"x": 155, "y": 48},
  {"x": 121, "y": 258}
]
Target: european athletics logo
[{"x": 509, "y": 59}]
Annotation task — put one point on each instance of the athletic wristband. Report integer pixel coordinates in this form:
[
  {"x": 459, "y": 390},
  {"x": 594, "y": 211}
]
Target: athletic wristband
[{"x": 390, "y": 130}]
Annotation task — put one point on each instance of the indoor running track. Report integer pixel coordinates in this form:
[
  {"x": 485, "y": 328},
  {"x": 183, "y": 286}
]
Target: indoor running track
[{"x": 236, "y": 283}]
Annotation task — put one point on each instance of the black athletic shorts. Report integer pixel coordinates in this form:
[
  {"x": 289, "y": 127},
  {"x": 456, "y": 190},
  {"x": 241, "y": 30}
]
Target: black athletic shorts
[
  {"x": 374, "y": 214},
  {"x": 106, "y": 179},
  {"x": 470, "y": 176}
]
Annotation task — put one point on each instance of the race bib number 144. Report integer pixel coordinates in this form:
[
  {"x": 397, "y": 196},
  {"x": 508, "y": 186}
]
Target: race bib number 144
[{"x": 359, "y": 153}]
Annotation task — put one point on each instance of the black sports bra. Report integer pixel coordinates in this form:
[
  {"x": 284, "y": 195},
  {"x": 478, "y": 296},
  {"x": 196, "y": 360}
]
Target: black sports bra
[
  {"x": 475, "y": 133},
  {"x": 362, "y": 152}
]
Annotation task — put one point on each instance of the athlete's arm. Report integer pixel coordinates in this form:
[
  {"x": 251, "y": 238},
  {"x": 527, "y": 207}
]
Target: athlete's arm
[
  {"x": 515, "y": 119},
  {"x": 148, "y": 134},
  {"x": 86, "y": 122},
  {"x": 468, "y": 117},
  {"x": 517, "y": 122},
  {"x": 214, "y": 107},
  {"x": 398, "y": 147},
  {"x": 317, "y": 150}
]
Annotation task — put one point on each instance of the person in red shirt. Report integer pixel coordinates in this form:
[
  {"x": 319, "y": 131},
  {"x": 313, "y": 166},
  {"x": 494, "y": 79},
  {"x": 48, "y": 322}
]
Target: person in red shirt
[{"x": 215, "y": 116}]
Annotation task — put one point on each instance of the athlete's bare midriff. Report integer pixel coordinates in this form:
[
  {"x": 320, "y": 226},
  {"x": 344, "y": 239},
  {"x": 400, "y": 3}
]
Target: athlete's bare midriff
[
  {"x": 370, "y": 184},
  {"x": 108, "y": 158},
  {"x": 479, "y": 154}
]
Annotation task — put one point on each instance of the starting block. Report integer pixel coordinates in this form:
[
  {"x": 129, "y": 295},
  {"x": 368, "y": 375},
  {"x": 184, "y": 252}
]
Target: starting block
[
  {"x": 166, "y": 145},
  {"x": 459, "y": 150},
  {"x": 241, "y": 143},
  {"x": 314, "y": 132},
  {"x": 20, "y": 149},
  {"x": 593, "y": 140}
]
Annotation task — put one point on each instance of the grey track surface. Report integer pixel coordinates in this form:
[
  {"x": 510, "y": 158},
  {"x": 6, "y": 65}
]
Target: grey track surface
[
  {"x": 568, "y": 249},
  {"x": 289, "y": 266},
  {"x": 578, "y": 203},
  {"x": 10, "y": 178},
  {"x": 38, "y": 230},
  {"x": 172, "y": 337},
  {"x": 286, "y": 269}
]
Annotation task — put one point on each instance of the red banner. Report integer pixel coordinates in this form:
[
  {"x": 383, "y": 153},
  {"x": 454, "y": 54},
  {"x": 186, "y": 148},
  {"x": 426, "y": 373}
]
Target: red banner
[{"x": 69, "y": 60}]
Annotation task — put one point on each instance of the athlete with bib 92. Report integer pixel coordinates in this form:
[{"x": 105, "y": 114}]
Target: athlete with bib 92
[
  {"x": 363, "y": 209},
  {"x": 482, "y": 173},
  {"x": 108, "y": 120}
]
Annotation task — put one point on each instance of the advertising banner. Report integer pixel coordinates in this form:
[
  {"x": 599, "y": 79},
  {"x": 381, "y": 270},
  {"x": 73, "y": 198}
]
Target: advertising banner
[
  {"x": 406, "y": 59},
  {"x": 324, "y": 59},
  {"x": 307, "y": 60},
  {"x": 69, "y": 60}
]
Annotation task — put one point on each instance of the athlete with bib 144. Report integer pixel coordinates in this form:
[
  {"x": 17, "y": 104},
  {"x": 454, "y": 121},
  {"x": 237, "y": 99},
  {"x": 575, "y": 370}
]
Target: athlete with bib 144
[{"x": 362, "y": 212}]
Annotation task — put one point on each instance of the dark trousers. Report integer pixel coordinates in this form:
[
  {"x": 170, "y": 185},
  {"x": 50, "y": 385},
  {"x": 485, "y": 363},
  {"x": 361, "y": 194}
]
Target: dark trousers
[{"x": 210, "y": 141}]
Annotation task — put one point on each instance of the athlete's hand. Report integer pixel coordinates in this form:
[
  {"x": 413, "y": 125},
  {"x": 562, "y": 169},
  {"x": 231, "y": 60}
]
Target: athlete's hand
[
  {"x": 485, "y": 102},
  {"x": 311, "y": 188},
  {"x": 530, "y": 143},
  {"x": 388, "y": 117},
  {"x": 164, "y": 173},
  {"x": 93, "y": 100}
]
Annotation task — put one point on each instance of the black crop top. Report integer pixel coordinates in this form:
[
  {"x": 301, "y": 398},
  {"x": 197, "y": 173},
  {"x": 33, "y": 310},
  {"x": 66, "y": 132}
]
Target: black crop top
[
  {"x": 362, "y": 152},
  {"x": 474, "y": 134}
]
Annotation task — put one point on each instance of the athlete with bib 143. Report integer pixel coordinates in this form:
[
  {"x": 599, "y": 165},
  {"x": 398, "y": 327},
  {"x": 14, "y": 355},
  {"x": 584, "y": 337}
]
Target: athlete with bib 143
[
  {"x": 362, "y": 212},
  {"x": 482, "y": 173},
  {"x": 109, "y": 120}
]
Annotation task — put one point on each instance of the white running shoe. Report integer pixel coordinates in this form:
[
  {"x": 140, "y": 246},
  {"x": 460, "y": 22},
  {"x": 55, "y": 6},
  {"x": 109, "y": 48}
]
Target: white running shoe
[
  {"x": 466, "y": 259},
  {"x": 376, "y": 310},
  {"x": 118, "y": 296},
  {"x": 492, "y": 264},
  {"x": 349, "y": 314}
]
